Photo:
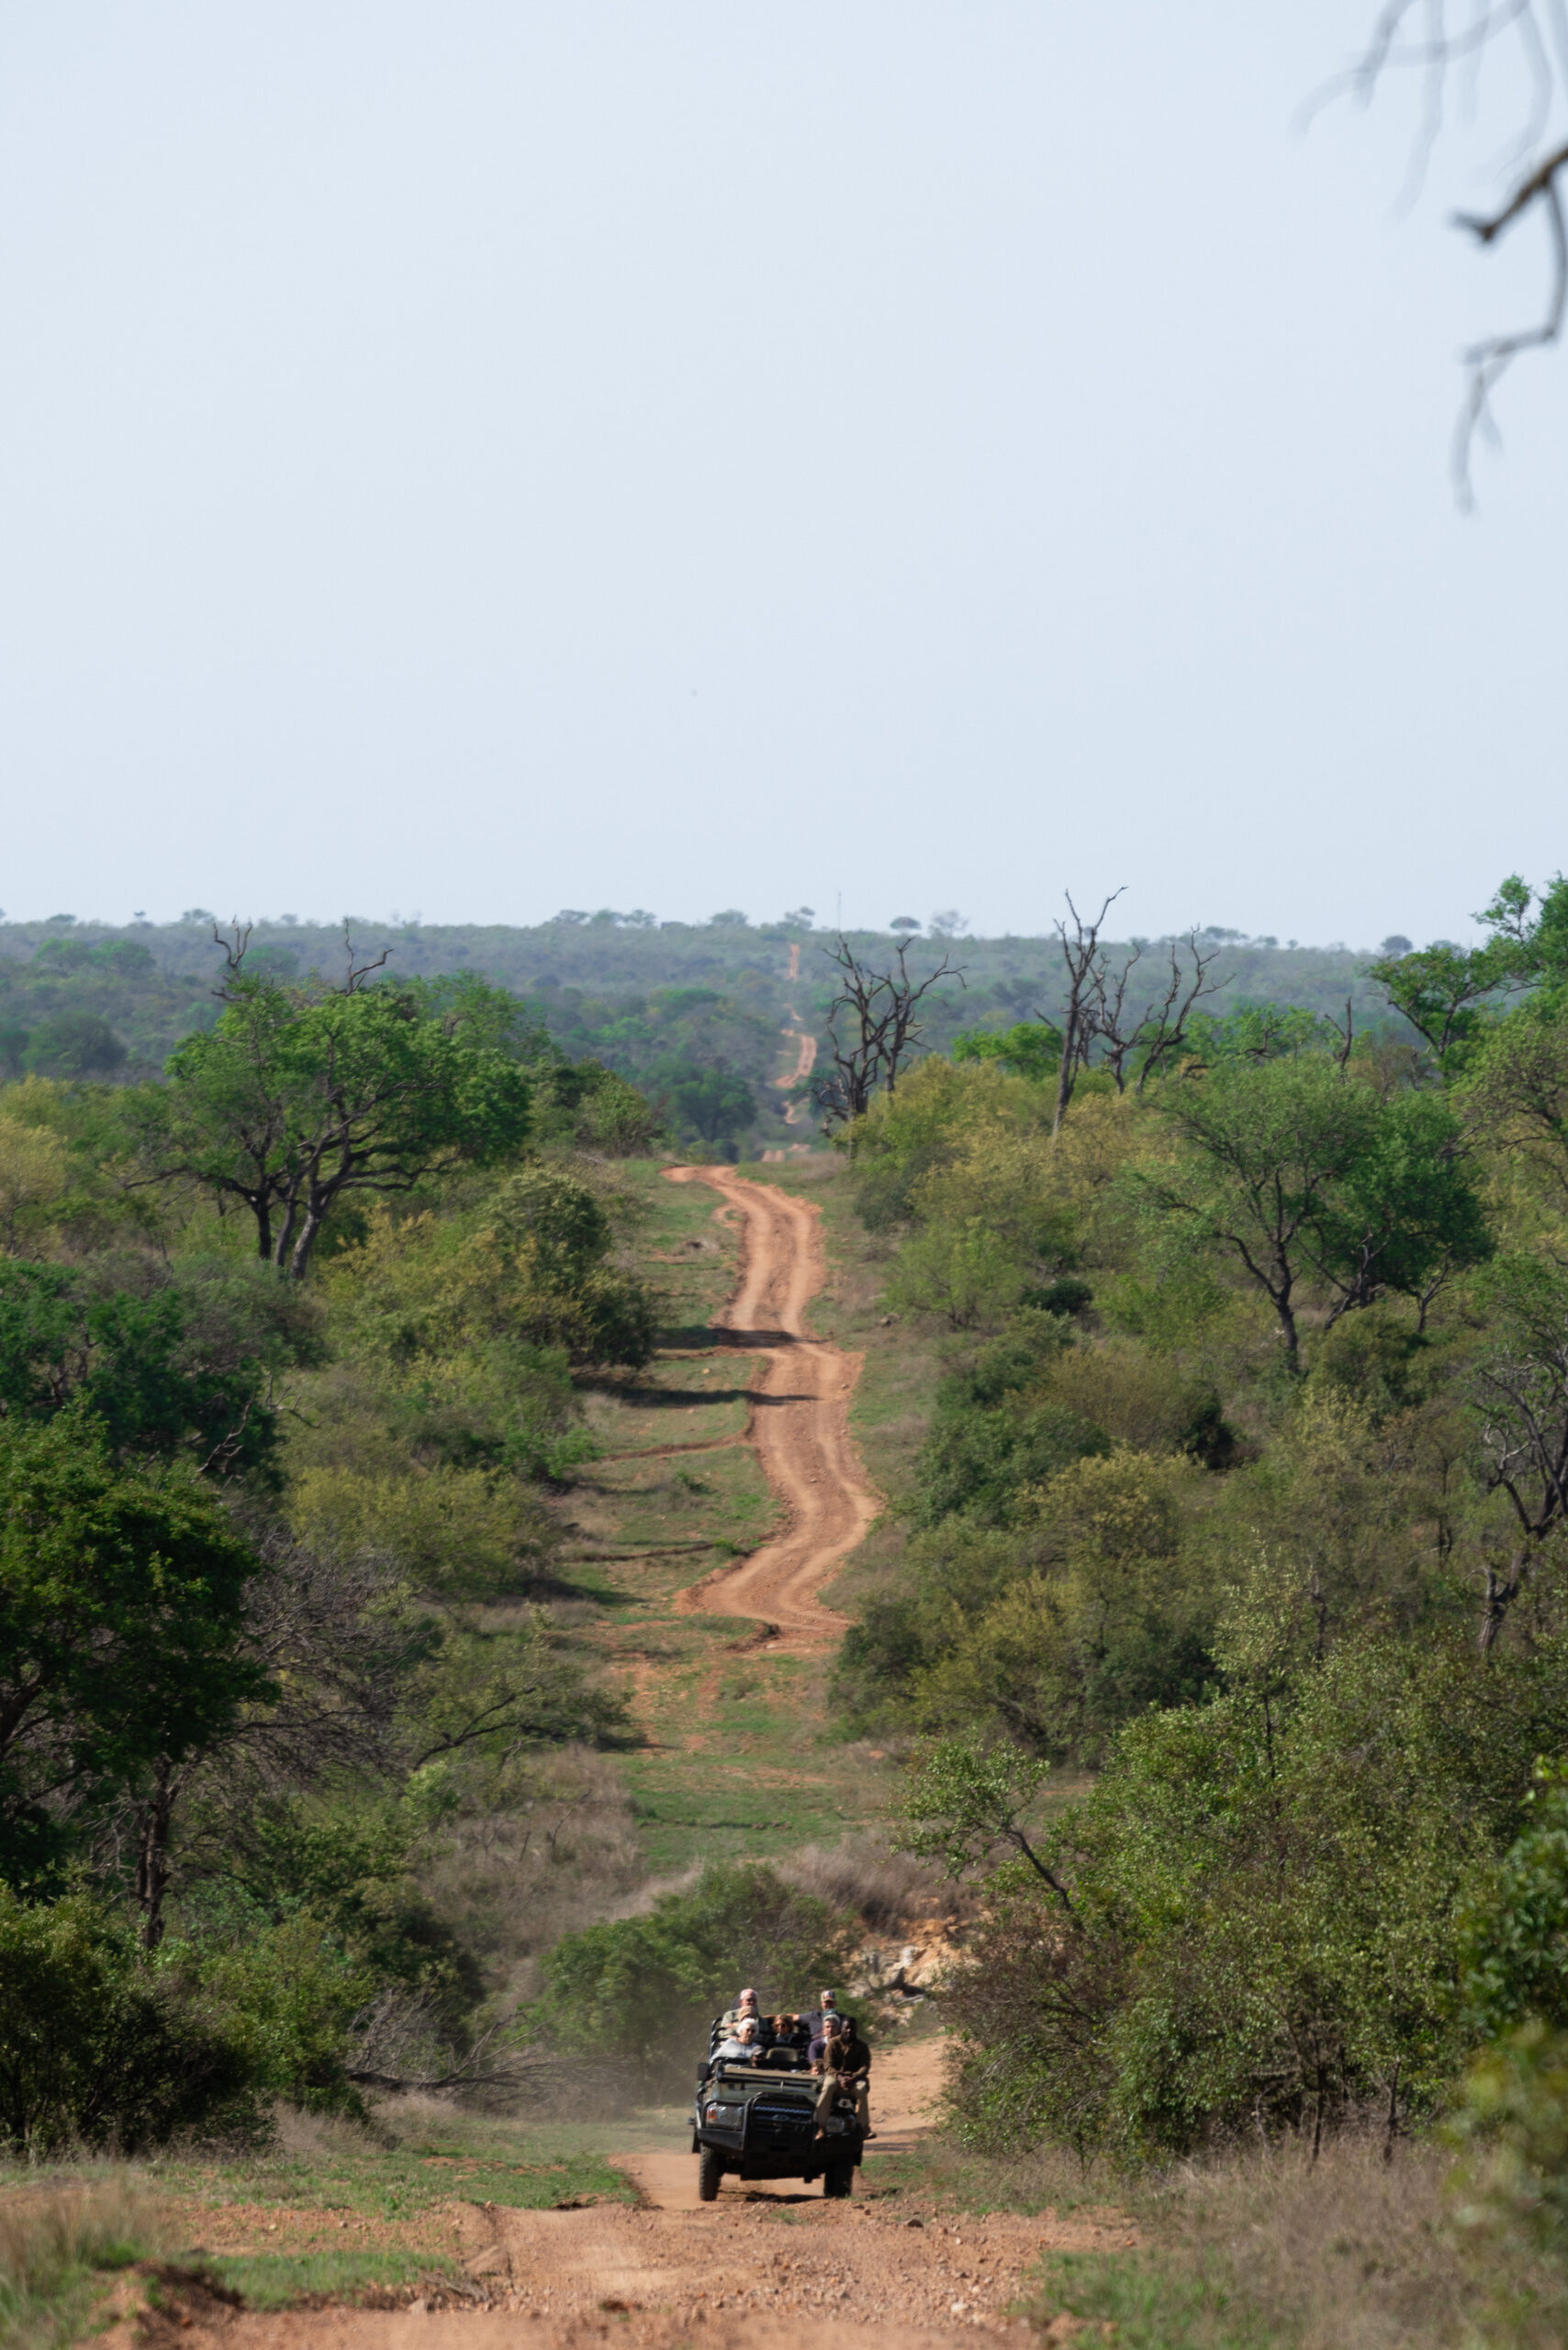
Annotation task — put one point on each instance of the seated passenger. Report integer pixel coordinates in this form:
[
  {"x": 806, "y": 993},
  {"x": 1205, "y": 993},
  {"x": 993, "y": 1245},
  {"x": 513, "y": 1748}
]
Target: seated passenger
[
  {"x": 784, "y": 2054},
  {"x": 742, "y": 2046},
  {"x": 843, "y": 2063},
  {"x": 745, "y": 2006},
  {"x": 819, "y": 2023}
]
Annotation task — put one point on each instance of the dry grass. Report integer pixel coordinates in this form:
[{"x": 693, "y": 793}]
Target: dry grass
[
  {"x": 1268, "y": 2248},
  {"x": 886, "y": 1891},
  {"x": 57, "y": 2245},
  {"x": 550, "y": 1852}
]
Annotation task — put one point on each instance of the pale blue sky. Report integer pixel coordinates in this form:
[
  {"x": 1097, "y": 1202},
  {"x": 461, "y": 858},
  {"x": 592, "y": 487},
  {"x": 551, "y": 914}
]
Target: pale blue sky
[{"x": 484, "y": 458}]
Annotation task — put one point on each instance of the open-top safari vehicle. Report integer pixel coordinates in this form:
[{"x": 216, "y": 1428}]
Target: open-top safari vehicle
[{"x": 757, "y": 2123}]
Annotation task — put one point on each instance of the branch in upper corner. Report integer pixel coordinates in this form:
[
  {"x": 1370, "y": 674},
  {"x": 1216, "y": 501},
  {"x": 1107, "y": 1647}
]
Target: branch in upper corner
[
  {"x": 1489, "y": 360},
  {"x": 1415, "y": 36}
]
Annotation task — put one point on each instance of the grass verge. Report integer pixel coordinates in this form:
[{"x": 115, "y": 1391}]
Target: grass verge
[{"x": 60, "y": 2246}]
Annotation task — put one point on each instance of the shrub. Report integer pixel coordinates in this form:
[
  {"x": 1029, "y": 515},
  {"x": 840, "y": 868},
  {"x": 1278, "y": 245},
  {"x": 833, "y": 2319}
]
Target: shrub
[
  {"x": 641, "y": 1991},
  {"x": 98, "y": 2050},
  {"x": 1269, "y": 1896}
]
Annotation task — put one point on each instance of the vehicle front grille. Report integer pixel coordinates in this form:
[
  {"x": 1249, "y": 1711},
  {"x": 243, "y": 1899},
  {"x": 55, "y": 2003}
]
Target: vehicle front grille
[{"x": 780, "y": 2118}]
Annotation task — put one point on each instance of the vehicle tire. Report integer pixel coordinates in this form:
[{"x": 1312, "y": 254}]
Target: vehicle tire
[
  {"x": 838, "y": 2179},
  {"x": 710, "y": 2171}
]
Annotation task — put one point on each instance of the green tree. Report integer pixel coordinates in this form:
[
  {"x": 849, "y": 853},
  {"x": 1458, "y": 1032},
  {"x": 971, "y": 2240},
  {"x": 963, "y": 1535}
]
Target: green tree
[
  {"x": 1269, "y": 1897},
  {"x": 1406, "y": 1216},
  {"x": 295, "y": 1100},
  {"x": 94, "y": 2048},
  {"x": 1296, "y": 1171},
  {"x": 962, "y": 1799},
  {"x": 185, "y": 1371},
  {"x": 712, "y": 1102},
  {"x": 1031, "y": 1048},
  {"x": 121, "y": 1623},
  {"x": 1452, "y": 995},
  {"x": 1266, "y": 1146}
]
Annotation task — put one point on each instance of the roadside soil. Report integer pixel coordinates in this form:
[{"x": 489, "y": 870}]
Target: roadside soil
[
  {"x": 797, "y": 1423},
  {"x": 771, "y": 2266}
]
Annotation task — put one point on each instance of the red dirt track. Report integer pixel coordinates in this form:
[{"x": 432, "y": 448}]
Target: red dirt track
[{"x": 799, "y": 1420}]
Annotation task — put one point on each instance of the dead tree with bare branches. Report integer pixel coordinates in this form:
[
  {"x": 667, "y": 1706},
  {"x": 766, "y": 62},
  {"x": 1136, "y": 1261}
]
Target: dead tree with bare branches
[
  {"x": 1147, "y": 1039},
  {"x": 1081, "y": 954},
  {"x": 874, "y": 1029}
]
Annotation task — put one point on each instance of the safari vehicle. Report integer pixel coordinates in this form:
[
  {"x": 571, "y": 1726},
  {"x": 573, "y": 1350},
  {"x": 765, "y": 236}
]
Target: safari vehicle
[{"x": 757, "y": 2123}]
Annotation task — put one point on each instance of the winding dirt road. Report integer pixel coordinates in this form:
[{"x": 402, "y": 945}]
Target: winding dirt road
[
  {"x": 805, "y": 1045},
  {"x": 798, "y": 1422},
  {"x": 771, "y": 2266}
]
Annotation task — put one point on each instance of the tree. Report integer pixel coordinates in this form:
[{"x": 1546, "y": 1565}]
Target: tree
[
  {"x": 1518, "y": 1090},
  {"x": 1147, "y": 1038},
  {"x": 75, "y": 1045},
  {"x": 1031, "y": 1048},
  {"x": 1080, "y": 956},
  {"x": 1267, "y": 1147},
  {"x": 1519, "y": 1390},
  {"x": 1452, "y": 995},
  {"x": 1406, "y": 1216},
  {"x": 185, "y": 1370},
  {"x": 962, "y": 1799},
  {"x": 121, "y": 1614},
  {"x": 1294, "y": 1168},
  {"x": 296, "y": 1099},
  {"x": 882, "y": 1033},
  {"x": 712, "y": 1102}
]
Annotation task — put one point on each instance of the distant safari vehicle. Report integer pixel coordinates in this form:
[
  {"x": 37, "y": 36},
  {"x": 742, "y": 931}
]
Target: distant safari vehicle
[{"x": 757, "y": 2123}]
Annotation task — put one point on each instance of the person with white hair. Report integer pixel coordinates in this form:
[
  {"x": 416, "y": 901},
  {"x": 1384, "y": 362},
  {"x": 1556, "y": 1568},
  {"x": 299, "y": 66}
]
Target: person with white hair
[{"x": 741, "y": 2046}]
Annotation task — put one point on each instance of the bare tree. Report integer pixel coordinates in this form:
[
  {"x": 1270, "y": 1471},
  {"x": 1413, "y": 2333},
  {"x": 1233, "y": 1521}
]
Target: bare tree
[
  {"x": 1151, "y": 1038},
  {"x": 880, "y": 1013},
  {"x": 1434, "y": 40},
  {"x": 1079, "y": 954}
]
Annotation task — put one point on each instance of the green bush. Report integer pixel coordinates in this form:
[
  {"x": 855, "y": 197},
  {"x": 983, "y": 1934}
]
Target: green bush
[
  {"x": 1269, "y": 1898},
  {"x": 285, "y": 2000},
  {"x": 641, "y": 1991},
  {"x": 96, "y": 2049}
]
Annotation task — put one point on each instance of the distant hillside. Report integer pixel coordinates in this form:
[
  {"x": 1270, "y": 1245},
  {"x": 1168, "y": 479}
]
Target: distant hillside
[{"x": 664, "y": 1002}]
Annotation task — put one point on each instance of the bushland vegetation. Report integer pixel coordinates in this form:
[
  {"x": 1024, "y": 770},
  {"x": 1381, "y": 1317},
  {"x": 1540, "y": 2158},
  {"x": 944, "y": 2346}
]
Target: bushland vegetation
[
  {"x": 688, "y": 1013},
  {"x": 1242, "y": 1513},
  {"x": 292, "y": 1346}
]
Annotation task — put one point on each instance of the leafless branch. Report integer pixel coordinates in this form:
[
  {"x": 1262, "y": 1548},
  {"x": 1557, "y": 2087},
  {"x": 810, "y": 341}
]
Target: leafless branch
[
  {"x": 1079, "y": 954},
  {"x": 1490, "y": 360},
  {"x": 883, "y": 1030},
  {"x": 358, "y": 973},
  {"x": 1433, "y": 47},
  {"x": 233, "y": 941}
]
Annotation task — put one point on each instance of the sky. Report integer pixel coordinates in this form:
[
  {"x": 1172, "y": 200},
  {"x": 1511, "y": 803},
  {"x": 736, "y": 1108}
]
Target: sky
[{"x": 465, "y": 460}]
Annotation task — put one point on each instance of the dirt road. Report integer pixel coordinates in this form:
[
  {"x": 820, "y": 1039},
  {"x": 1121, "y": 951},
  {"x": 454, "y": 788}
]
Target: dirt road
[
  {"x": 770, "y": 2267},
  {"x": 797, "y": 1422}
]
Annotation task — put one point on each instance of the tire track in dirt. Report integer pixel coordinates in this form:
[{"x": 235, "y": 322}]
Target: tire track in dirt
[
  {"x": 798, "y": 1422},
  {"x": 771, "y": 2266}
]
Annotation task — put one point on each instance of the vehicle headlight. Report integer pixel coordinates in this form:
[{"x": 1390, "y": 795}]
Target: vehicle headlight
[{"x": 727, "y": 2117}]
